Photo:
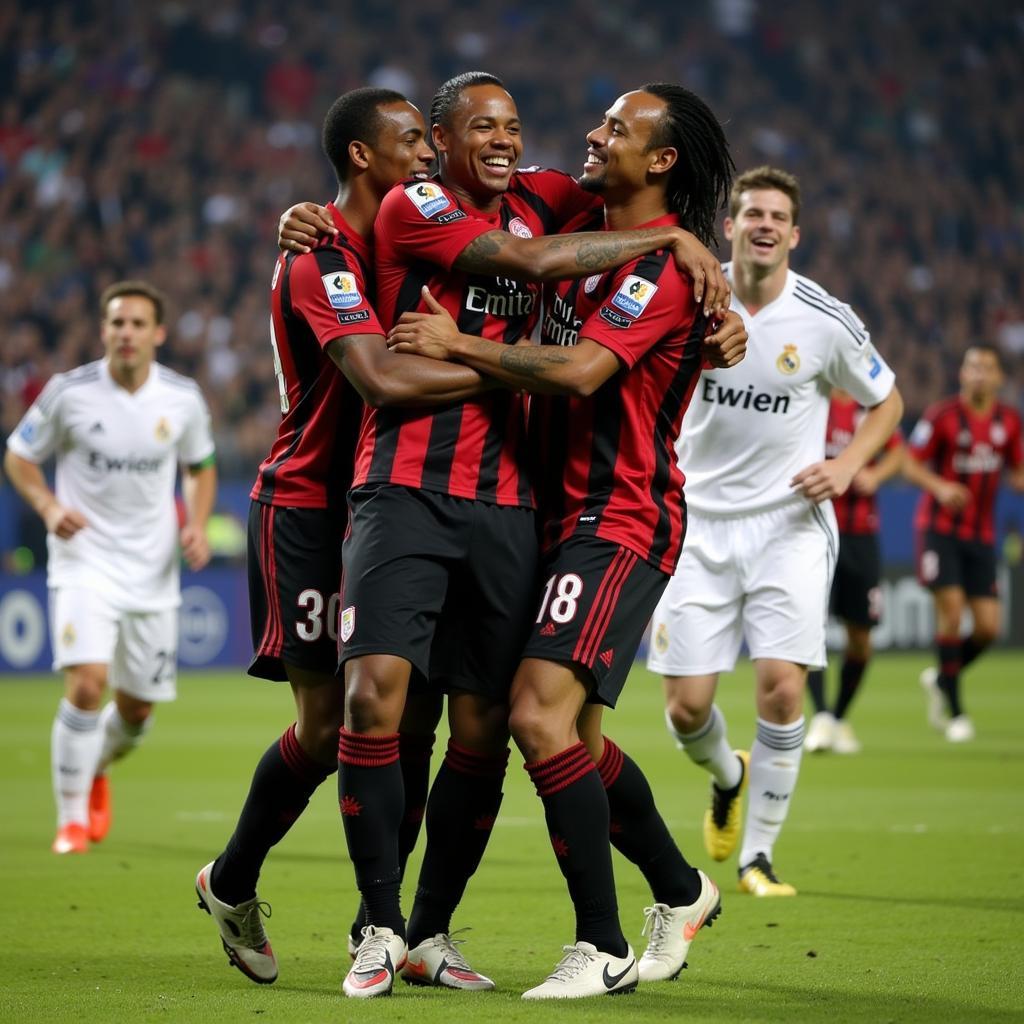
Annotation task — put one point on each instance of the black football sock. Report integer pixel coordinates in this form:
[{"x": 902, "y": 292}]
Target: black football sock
[
  {"x": 949, "y": 672},
  {"x": 461, "y": 810},
  {"x": 969, "y": 650},
  {"x": 576, "y": 810},
  {"x": 816, "y": 688},
  {"x": 639, "y": 832},
  {"x": 371, "y": 801},
  {"x": 414, "y": 756},
  {"x": 284, "y": 780},
  {"x": 850, "y": 676}
]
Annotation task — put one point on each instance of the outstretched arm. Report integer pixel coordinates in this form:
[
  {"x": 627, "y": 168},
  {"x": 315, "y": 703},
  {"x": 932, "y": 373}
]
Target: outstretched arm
[{"x": 548, "y": 258}]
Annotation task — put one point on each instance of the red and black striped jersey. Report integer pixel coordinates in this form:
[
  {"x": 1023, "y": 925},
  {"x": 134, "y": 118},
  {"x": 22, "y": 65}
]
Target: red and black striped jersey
[
  {"x": 855, "y": 513},
  {"x": 476, "y": 448},
  {"x": 314, "y": 298},
  {"x": 960, "y": 444},
  {"x": 607, "y": 463}
]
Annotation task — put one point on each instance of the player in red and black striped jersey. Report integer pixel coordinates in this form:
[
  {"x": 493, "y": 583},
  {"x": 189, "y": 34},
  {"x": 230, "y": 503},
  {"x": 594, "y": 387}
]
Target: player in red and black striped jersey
[
  {"x": 457, "y": 473},
  {"x": 322, "y": 321},
  {"x": 957, "y": 454},
  {"x": 622, "y": 350},
  {"x": 855, "y": 596}
]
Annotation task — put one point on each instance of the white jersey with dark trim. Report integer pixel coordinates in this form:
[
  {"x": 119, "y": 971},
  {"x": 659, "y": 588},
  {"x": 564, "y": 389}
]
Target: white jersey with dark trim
[
  {"x": 117, "y": 455},
  {"x": 750, "y": 429}
]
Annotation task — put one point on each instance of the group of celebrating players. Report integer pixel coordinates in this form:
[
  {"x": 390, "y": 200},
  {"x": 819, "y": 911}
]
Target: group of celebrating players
[{"x": 506, "y": 517}]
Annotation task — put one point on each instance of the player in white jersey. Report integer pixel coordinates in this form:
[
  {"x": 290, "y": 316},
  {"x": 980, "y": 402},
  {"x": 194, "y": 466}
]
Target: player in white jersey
[
  {"x": 118, "y": 428},
  {"x": 761, "y": 540}
]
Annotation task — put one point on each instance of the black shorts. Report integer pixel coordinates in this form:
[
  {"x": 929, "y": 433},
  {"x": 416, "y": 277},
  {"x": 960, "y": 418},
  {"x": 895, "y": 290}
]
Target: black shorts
[
  {"x": 596, "y": 600},
  {"x": 947, "y": 561},
  {"x": 446, "y": 583},
  {"x": 856, "y": 596},
  {"x": 294, "y": 576}
]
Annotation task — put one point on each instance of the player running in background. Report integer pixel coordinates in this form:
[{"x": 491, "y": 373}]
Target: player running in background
[
  {"x": 856, "y": 598},
  {"x": 118, "y": 428},
  {"x": 329, "y": 355},
  {"x": 957, "y": 454},
  {"x": 622, "y": 350},
  {"x": 761, "y": 545}
]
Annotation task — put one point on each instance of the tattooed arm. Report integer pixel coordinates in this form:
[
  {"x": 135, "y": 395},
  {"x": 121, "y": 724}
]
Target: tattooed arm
[
  {"x": 558, "y": 257},
  {"x": 579, "y": 369},
  {"x": 385, "y": 378}
]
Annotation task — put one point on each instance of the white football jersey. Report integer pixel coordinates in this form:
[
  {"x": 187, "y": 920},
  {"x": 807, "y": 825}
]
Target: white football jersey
[
  {"x": 750, "y": 429},
  {"x": 117, "y": 457}
]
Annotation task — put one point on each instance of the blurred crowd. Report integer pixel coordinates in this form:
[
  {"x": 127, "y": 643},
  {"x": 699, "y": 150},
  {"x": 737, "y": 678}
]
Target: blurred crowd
[{"x": 162, "y": 140}]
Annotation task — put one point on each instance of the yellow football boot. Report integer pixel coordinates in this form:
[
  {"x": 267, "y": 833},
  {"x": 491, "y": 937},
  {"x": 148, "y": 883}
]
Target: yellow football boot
[{"x": 722, "y": 818}]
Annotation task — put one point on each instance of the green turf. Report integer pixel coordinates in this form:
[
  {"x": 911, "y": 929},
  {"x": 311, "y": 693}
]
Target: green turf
[{"x": 908, "y": 859}]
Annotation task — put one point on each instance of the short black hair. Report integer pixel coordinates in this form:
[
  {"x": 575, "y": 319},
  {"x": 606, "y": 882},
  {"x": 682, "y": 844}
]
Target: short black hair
[
  {"x": 987, "y": 348},
  {"x": 698, "y": 183},
  {"x": 134, "y": 288},
  {"x": 447, "y": 96},
  {"x": 354, "y": 116}
]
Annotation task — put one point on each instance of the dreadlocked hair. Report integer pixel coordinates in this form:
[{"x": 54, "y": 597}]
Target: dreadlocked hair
[
  {"x": 698, "y": 184},
  {"x": 447, "y": 96}
]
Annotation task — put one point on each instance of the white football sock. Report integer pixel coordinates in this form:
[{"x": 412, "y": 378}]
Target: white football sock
[
  {"x": 774, "y": 767},
  {"x": 75, "y": 743},
  {"x": 119, "y": 736},
  {"x": 709, "y": 747}
]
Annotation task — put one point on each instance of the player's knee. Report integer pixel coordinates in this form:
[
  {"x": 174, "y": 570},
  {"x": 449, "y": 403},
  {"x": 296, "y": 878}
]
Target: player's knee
[
  {"x": 84, "y": 686},
  {"x": 685, "y": 713},
  {"x": 781, "y": 700}
]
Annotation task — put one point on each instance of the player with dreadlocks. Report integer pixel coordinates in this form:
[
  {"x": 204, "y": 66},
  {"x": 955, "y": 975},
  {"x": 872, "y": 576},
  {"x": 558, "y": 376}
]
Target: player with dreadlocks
[{"x": 621, "y": 352}]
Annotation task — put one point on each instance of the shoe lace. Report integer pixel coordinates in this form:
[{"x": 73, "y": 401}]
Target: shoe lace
[
  {"x": 657, "y": 923},
  {"x": 451, "y": 951},
  {"x": 574, "y": 961},
  {"x": 372, "y": 952},
  {"x": 250, "y": 928}
]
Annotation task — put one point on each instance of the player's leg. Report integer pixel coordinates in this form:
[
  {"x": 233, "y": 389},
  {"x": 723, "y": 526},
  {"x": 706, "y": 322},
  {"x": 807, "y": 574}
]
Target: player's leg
[
  {"x": 860, "y": 607},
  {"x": 695, "y": 635},
  {"x": 985, "y": 612},
  {"x": 479, "y": 638},
  {"x": 940, "y": 568},
  {"x": 822, "y": 729},
  {"x": 684, "y": 899},
  {"x": 416, "y": 735},
  {"x": 463, "y": 804},
  {"x": 774, "y": 768},
  {"x": 84, "y": 633},
  {"x": 788, "y": 565},
  {"x": 294, "y": 563},
  {"x": 546, "y": 700},
  {"x": 851, "y": 675},
  {"x": 397, "y": 557},
  {"x": 75, "y": 743}
]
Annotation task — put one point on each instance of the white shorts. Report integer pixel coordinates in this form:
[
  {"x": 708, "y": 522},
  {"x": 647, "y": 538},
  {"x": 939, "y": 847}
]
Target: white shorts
[
  {"x": 139, "y": 647},
  {"x": 764, "y": 577}
]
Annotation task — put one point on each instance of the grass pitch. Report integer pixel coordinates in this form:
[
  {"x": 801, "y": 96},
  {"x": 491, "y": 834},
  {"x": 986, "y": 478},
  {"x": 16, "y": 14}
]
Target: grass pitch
[{"x": 907, "y": 858}]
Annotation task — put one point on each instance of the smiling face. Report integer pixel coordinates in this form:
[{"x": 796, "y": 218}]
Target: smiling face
[
  {"x": 400, "y": 148},
  {"x": 619, "y": 152},
  {"x": 482, "y": 145},
  {"x": 762, "y": 232}
]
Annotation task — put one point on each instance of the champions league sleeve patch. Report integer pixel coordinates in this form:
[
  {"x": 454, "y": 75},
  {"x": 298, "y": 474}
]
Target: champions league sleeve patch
[
  {"x": 342, "y": 290},
  {"x": 428, "y": 198},
  {"x": 633, "y": 295}
]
